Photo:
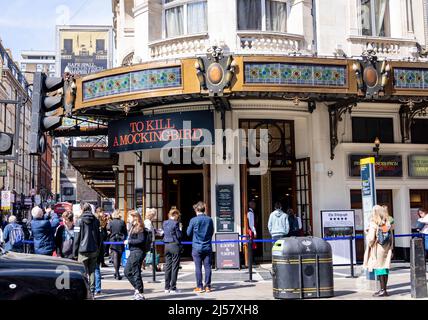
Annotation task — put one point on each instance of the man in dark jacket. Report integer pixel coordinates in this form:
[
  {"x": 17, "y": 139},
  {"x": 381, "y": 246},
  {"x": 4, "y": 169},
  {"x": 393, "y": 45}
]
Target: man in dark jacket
[
  {"x": 87, "y": 241},
  {"x": 43, "y": 230},
  {"x": 201, "y": 229}
]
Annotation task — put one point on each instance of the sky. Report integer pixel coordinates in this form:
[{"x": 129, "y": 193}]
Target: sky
[{"x": 30, "y": 24}]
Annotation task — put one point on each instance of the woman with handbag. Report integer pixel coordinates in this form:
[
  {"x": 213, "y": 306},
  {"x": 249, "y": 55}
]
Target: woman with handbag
[
  {"x": 172, "y": 239},
  {"x": 118, "y": 233},
  {"x": 137, "y": 242},
  {"x": 378, "y": 252}
]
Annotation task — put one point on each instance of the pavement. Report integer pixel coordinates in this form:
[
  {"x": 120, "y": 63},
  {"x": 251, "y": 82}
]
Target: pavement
[{"x": 232, "y": 285}]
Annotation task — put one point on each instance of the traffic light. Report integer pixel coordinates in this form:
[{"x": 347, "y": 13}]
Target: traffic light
[
  {"x": 6, "y": 143},
  {"x": 44, "y": 103}
]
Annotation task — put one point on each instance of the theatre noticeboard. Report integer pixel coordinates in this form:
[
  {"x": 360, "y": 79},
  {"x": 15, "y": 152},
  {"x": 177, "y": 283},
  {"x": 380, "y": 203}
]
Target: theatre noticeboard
[
  {"x": 170, "y": 130},
  {"x": 227, "y": 251},
  {"x": 385, "y": 165},
  {"x": 225, "y": 212},
  {"x": 418, "y": 165}
]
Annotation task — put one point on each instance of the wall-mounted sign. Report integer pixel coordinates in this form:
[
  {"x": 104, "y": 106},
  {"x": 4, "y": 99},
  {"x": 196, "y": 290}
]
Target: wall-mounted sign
[
  {"x": 418, "y": 165},
  {"x": 157, "y": 131},
  {"x": 139, "y": 197},
  {"x": 225, "y": 211},
  {"x": 3, "y": 169},
  {"x": 339, "y": 223},
  {"x": 5, "y": 200},
  {"x": 227, "y": 253},
  {"x": 386, "y": 165},
  {"x": 84, "y": 50}
]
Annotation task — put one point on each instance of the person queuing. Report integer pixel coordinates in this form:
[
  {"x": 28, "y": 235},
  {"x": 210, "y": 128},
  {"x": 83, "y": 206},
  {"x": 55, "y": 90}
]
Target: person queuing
[
  {"x": 423, "y": 226},
  {"x": 13, "y": 236},
  {"x": 151, "y": 214},
  {"x": 118, "y": 233},
  {"x": 201, "y": 229},
  {"x": 295, "y": 224},
  {"x": 64, "y": 236},
  {"x": 43, "y": 228},
  {"x": 278, "y": 223},
  {"x": 378, "y": 253},
  {"x": 251, "y": 222},
  {"x": 137, "y": 242},
  {"x": 172, "y": 239},
  {"x": 87, "y": 240},
  {"x": 103, "y": 218}
]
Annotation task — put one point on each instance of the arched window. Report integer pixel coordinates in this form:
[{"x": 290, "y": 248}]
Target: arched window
[
  {"x": 265, "y": 15},
  {"x": 184, "y": 17}
]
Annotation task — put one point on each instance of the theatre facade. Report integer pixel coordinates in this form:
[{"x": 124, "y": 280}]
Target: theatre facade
[{"x": 226, "y": 128}]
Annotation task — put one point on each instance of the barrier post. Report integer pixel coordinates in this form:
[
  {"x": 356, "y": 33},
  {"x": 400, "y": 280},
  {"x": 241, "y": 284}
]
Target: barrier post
[
  {"x": 153, "y": 250},
  {"x": 250, "y": 259},
  {"x": 351, "y": 252}
]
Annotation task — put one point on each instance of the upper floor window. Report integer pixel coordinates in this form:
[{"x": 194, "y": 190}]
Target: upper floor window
[
  {"x": 366, "y": 130},
  {"x": 182, "y": 17},
  {"x": 375, "y": 18},
  {"x": 418, "y": 131},
  {"x": 264, "y": 15}
]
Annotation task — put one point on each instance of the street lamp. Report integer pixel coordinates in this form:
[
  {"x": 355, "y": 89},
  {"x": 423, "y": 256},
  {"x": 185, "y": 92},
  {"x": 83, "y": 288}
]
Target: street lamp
[{"x": 377, "y": 146}]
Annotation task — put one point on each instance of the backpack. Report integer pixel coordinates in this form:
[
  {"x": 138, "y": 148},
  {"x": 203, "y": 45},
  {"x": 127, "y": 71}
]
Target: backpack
[
  {"x": 383, "y": 237},
  {"x": 16, "y": 235}
]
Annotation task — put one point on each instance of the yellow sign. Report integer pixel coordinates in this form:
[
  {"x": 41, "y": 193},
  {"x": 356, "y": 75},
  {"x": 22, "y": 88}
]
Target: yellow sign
[{"x": 367, "y": 160}]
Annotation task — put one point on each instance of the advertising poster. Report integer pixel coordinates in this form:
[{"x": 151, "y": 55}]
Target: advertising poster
[
  {"x": 336, "y": 224},
  {"x": 225, "y": 211},
  {"x": 227, "y": 253},
  {"x": 368, "y": 188},
  {"x": 5, "y": 200},
  {"x": 385, "y": 165},
  {"x": 418, "y": 166},
  {"x": 84, "y": 50}
]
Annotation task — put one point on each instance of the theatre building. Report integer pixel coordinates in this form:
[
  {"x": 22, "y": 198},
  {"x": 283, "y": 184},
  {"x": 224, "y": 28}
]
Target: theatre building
[{"x": 186, "y": 69}]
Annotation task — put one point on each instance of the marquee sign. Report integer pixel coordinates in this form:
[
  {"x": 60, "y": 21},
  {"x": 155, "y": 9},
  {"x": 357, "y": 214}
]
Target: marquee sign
[{"x": 157, "y": 131}]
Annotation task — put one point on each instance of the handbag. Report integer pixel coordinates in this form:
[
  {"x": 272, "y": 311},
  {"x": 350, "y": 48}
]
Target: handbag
[{"x": 149, "y": 258}]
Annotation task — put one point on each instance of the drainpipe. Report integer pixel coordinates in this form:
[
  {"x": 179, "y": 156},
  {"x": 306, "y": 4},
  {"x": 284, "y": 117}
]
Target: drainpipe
[{"x": 314, "y": 28}]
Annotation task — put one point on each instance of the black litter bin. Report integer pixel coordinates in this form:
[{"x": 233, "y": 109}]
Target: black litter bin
[{"x": 302, "y": 267}]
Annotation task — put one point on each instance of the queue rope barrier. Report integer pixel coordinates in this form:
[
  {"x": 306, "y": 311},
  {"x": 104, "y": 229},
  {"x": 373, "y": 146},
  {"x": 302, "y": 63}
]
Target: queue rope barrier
[
  {"x": 250, "y": 248},
  {"x": 416, "y": 235}
]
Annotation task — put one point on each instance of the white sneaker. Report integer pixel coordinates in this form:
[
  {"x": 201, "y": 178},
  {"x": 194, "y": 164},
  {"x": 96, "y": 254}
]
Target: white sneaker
[
  {"x": 166, "y": 291},
  {"x": 174, "y": 291},
  {"x": 139, "y": 296}
]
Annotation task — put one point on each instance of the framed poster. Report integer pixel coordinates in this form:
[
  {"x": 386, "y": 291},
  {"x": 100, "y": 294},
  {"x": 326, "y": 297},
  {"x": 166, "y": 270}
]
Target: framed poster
[
  {"x": 225, "y": 211},
  {"x": 227, "y": 254},
  {"x": 336, "y": 224}
]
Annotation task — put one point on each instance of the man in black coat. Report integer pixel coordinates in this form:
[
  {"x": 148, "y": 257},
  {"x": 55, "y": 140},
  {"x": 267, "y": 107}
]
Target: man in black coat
[{"x": 87, "y": 242}]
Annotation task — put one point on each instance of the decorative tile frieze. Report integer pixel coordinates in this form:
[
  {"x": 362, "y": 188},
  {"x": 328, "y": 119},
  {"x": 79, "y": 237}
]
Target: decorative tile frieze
[
  {"x": 295, "y": 74},
  {"x": 406, "y": 78},
  {"x": 132, "y": 82}
]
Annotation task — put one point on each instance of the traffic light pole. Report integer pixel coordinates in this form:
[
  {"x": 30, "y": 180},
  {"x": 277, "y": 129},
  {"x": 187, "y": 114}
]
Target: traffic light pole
[{"x": 18, "y": 107}]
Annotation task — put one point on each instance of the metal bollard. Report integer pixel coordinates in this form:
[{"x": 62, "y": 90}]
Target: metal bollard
[
  {"x": 351, "y": 252},
  {"x": 418, "y": 281},
  {"x": 250, "y": 260}
]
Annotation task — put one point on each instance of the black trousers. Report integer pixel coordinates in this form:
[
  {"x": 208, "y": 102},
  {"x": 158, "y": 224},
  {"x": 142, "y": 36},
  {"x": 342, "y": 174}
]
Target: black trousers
[
  {"x": 172, "y": 264},
  {"x": 116, "y": 257},
  {"x": 133, "y": 269}
]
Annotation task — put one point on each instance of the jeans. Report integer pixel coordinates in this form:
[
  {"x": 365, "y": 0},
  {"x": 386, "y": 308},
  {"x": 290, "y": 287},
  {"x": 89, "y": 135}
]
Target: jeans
[
  {"x": 90, "y": 261},
  {"x": 202, "y": 258},
  {"x": 98, "y": 278},
  {"x": 172, "y": 264},
  {"x": 133, "y": 269}
]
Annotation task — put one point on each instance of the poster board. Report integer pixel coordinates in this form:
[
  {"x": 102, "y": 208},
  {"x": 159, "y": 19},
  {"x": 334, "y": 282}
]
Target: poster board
[
  {"x": 225, "y": 209},
  {"x": 339, "y": 223},
  {"x": 5, "y": 200},
  {"x": 227, "y": 254}
]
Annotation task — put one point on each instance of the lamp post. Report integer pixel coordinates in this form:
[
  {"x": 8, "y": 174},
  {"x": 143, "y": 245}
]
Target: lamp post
[{"x": 57, "y": 147}]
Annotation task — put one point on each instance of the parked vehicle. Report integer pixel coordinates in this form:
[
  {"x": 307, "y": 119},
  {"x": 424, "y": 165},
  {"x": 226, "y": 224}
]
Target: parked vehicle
[{"x": 25, "y": 277}]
